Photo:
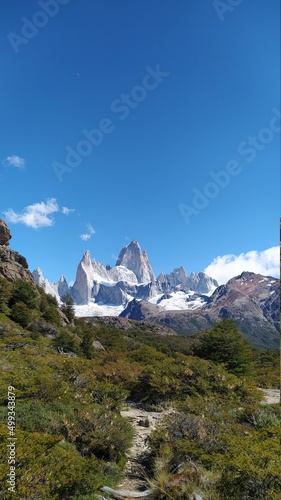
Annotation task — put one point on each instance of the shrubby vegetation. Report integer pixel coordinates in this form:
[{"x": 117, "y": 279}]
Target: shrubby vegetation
[{"x": 71, "y": 440}]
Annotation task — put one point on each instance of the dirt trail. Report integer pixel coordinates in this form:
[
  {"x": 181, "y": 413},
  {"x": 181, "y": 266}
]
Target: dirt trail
[
  {"x": 144, "y": 422},
  {"x": 134, "y": 474}
]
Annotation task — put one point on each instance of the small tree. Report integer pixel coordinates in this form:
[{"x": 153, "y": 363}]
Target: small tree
[
  {"x": 87, "y": 344},
  {"x": 67, "y": 307},
  {"x": 21, "y": 314},
  {"x": 51, "y": 315},
  {"x": 22, "y": 291},
  {"x": 225, "y": 343}
]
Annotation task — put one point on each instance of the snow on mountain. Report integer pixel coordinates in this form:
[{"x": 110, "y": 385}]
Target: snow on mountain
[
  {"x": 121, "y": 273},
  {"x": 178, "y": 301},
  {"x": 104, "y": 290},
  {"x": 93, "y": 309}
]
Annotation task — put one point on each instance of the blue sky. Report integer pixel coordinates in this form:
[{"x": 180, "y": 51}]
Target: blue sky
[{"x": 174, "y": 91}]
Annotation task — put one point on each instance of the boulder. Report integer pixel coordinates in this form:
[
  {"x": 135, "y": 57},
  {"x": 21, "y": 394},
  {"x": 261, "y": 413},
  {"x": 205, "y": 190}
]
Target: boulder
[
  {"x": 145, "y": 422},
  {"x": 97, "y": 345}
]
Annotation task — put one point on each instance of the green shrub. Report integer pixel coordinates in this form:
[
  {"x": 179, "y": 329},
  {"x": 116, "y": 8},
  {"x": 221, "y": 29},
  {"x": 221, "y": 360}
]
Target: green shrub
[
  {"x": 251, "y": 467},
  {"x": 20, "y": 313},
  {"x": 102, "y": 433},
  {"x": 225, "y": 343},
  {"x": 51, "y": 315},
  {"x": 68, "y": 342},
  {"x": 22, "y": 291}
]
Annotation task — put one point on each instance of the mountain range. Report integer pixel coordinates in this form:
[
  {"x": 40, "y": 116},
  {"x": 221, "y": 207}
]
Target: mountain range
[
  {"x": 131, "y": 278},
  {"x": 185, "y": 304}
]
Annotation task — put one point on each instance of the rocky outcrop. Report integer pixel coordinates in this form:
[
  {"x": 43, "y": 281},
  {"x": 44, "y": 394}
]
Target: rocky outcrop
[
  {"x": 12, "y": 264},
  {"x": 5, "y": 234},
  {"x": 139, "y": 310}
]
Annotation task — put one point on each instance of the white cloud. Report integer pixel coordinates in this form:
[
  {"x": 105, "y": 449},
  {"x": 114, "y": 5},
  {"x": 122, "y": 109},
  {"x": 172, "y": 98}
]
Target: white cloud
[
  {"x": 67, "y": 211},
  {"x": 226, "y": 267},
  {"x": 14, "y": 161},
  {"x": 89, "y": 234},
  {"x": 37, "y": 215}
]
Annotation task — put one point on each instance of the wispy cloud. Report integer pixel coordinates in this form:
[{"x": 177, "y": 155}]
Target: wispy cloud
[
  {"x": 67, "y": 211},
  {"x": 89, "y": 234},
  {"x": 37, "y": 215},
  {"x": 14, "y": 161},
  {"x": 226, "y": 267}
]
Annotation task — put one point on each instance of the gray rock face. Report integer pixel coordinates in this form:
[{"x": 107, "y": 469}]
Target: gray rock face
[
  {"x": 179, "y": 280},
  {"x": 139, "y": 310},
  {"x": 176, "y": 280},
  {"x": 62, "y": 286},
  {"x": 112, "y": 295},
  {"x": 202, "y": 283},
  {"x": 5, "y": 234},
  {"x": 82, "y": 288},
  {"x": 133, "y": 258}
]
